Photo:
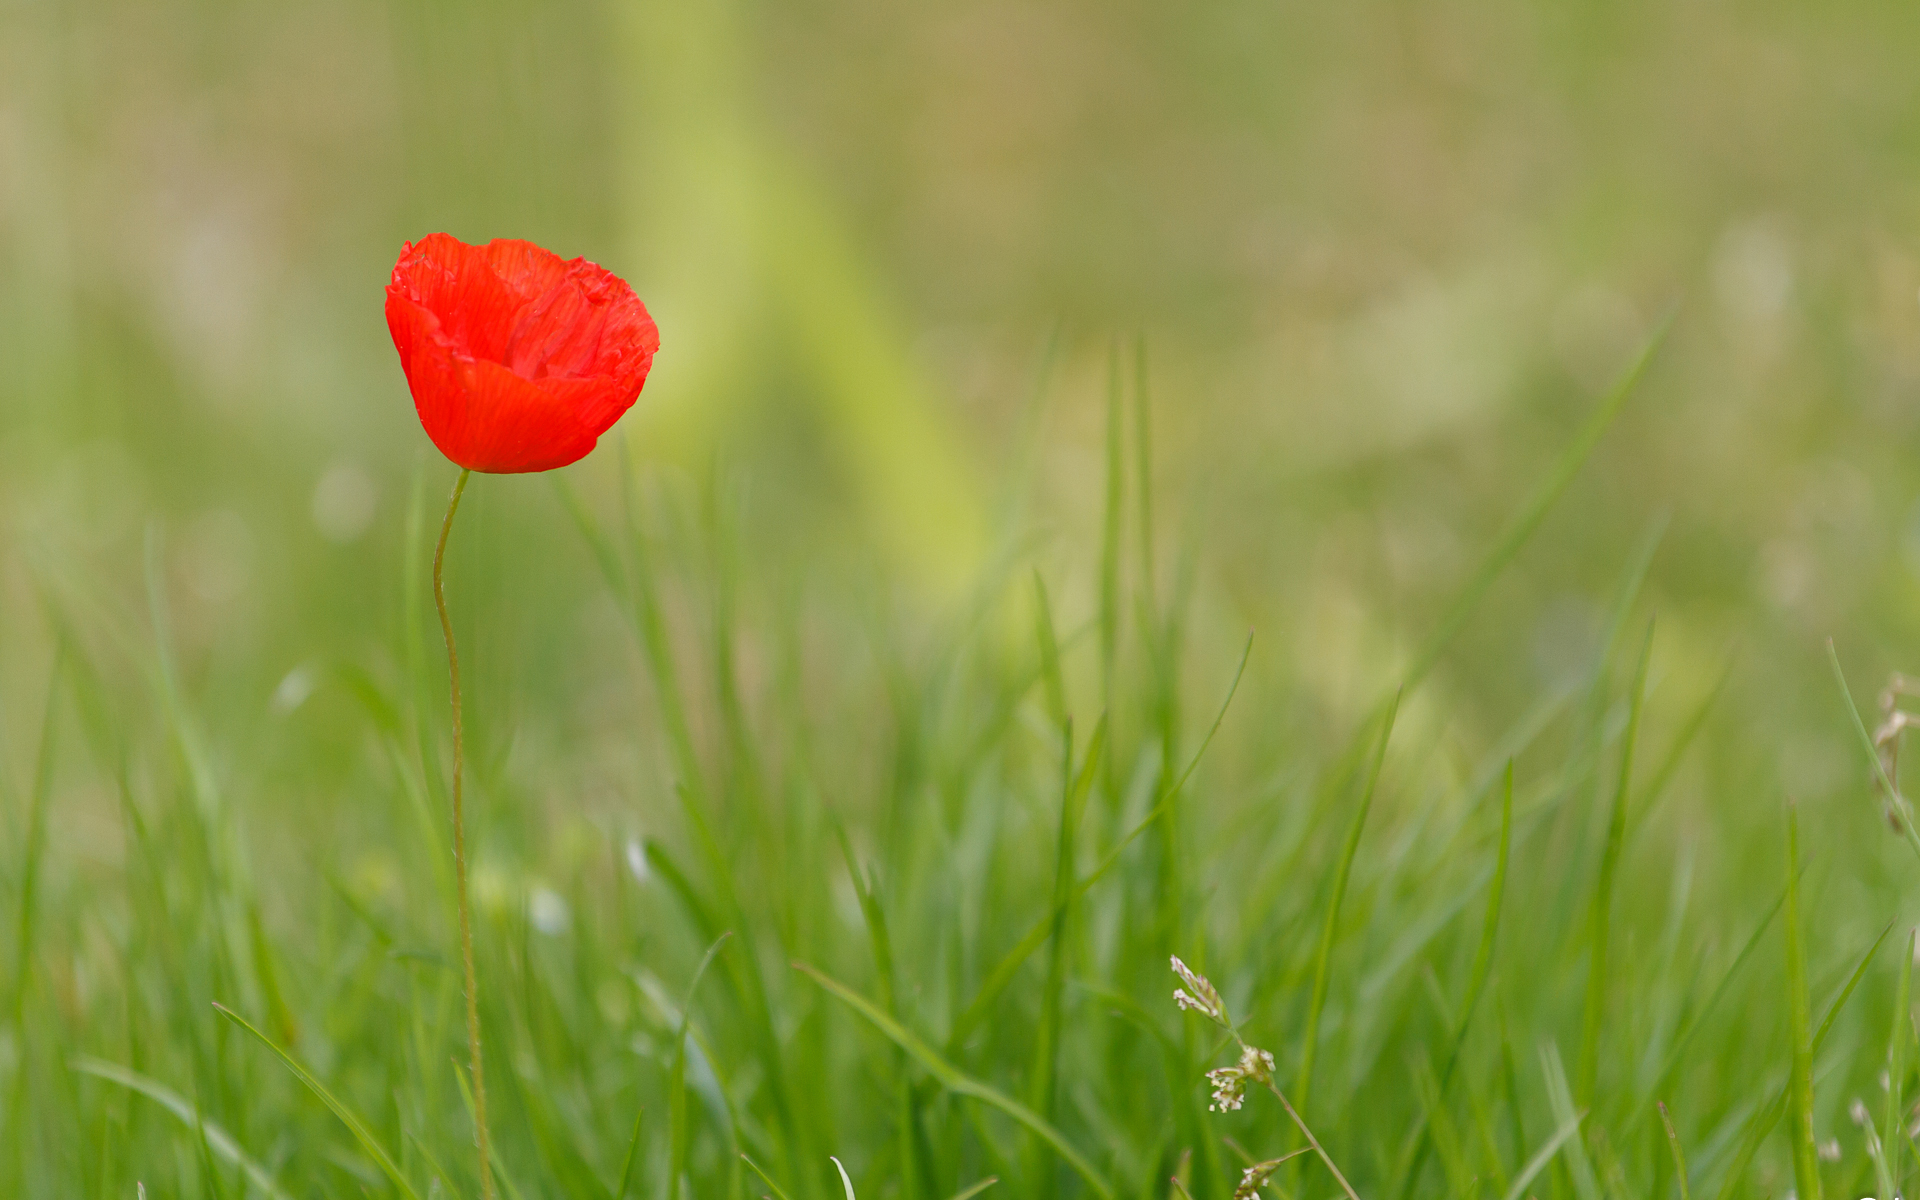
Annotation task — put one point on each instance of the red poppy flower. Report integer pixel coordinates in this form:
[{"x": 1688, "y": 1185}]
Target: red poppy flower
[{"x": 518, "y": 360}]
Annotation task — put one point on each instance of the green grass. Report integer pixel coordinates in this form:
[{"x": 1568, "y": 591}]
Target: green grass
[{"x": 937, "y": 928}]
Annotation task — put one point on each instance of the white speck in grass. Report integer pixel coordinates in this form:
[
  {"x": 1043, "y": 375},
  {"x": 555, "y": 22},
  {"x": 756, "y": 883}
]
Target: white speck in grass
[
  {"x": 1753, "y": 271},
  {"x": 293, "y": 691},
  {"x": 1858, "y": 1111},
  {"x": 844, "y": 1181},
  {"x": 548, "y": 911},
  {"x": 344, "y": 501},
  {"x": 1830, "y": 1150},
  {"x": 637, "y": 861}
]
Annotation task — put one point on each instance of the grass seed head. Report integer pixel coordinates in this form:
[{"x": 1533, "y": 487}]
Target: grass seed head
[
  {"x": 1255, "y": 1177},
  {"x": 1199, "y": 995},
  {"x": 1230, "y": 1083}
]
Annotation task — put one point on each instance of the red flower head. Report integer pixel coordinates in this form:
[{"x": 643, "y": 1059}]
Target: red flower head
[{"x": 518, "y": 359}]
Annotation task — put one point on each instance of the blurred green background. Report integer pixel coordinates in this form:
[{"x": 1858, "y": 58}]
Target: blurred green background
[{"x": 1383, "y": 260}]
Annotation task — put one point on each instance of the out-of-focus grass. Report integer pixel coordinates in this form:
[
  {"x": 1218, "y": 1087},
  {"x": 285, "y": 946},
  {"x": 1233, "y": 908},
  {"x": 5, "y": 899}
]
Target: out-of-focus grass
[{"x": 1387, "y": 262}]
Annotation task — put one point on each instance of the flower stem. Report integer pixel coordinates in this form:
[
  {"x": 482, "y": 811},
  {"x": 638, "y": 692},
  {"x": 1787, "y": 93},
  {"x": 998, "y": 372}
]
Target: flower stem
[
  {"x": 460, "y": 850},
  {"x": 1313, "y": 1141}
]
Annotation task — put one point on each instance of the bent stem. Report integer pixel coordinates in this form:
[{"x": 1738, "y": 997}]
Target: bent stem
[{"x": 460, "y": 850}]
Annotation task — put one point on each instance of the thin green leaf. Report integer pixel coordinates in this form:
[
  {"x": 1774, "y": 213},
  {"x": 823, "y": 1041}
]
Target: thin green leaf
[
  {"x": 1522, "y": 527},
  {"x": 633, "y": 1156},
  {"x": 1806, "y": 1151},
  {"x": 1329, "y": 929},
  {"x": 368, "y": 1143},
  {"x": 216, "y": 1138},
  {"x": 1679, "y": 1159},
  {"x": 1543, "y": 1156},
  {"x": 957, "y": 1081},
  {"x": 1003, "y": 972},
  {"x": 1477, "y": 977},
  {"x": 1597, "y": 974},
  {"x": 778, "y": 1192},
  {"x": 1903, "y": 812},
  {"x": 677, "y": 1126},
  {"x": 1892, "y": 1135}
]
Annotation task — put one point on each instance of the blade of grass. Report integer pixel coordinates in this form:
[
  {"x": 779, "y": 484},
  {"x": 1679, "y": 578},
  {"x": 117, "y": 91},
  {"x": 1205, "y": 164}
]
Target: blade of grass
[
  {"x": 1049, "y": 651},
  {"x": 1596, "y": 1001},
  {"x": 1541, "y": 1157},
  {"x": 677, "y": 1125},
  {"x": 1560, "y": 1101},
  {"x": 1903, "y": 810},
  {"x": 216, "y": 1138},
  {"x": 1806, "y": 1152},
  {"x": 1699, "y": 1019},
  {"x": 633, "y": 1156},
  {"x": 976, "y": 1189},
  {"x": 1110, "y": 535},
  {"x": 1679, "y": 1159},
  {"x": 1003, "y": 972},
  {"x": 957, "y": 1081},
  {"x": 907, "y": 1115},
  {"x": 1663, "y": 775},
  {"x": 1477, "y": 977},
  {"x": 1522, "y": 527},
  {"x": 1892, "y": 1135},
  {"x": 35, "y": 848},
  {"x": 368, "y": 1143},
  {"x": 778, "y": 1192},
  {"x": 1329, "y": 930},
  {"x": 1073, "y": 792},
  {"x": 1764, "y": 1118}
]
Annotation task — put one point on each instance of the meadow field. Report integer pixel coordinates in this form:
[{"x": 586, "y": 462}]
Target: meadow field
[{"x": 1411, "y": 511}]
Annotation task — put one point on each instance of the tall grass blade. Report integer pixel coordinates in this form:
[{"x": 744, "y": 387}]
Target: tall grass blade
[
  {"x": 369, "y": 1144},
  {"x": 1523, "y": 525},
  {"x": 216, "y": 1138},
  {"x": 1110, "y": 535},
  {"x": 1036, "y": 936},
  {"x": 1560, "y": 1101},
  {"x": 678, "y": 1131},
  {"x": 1597, "y": 977},
  {"x": 1543, "y": 1156},
  {"x": 1330, "y": 927},
  {"x": 779, "y": 1193},
  {"x": 1049, "y": 651},
  {"x": 1903, "y": 811},
  {"x": 1892, "y": 1134},
  {"x": 1477, "y": 978},
  {"x": 957, "y": 1081},
  {"x": 1679, "y": 1159},
  {"x": 1761, "y": 1123},
  {"x": 1073, "y": 793},
  {"x": 1806, "y": 1152},
  {"x": 36, "y": 844},
  {"x": 633, "y": 1156}
]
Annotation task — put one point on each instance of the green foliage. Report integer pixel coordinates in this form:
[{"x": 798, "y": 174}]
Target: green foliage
[{"x": 793, "y": 667}]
